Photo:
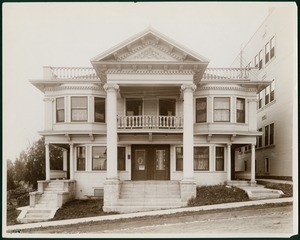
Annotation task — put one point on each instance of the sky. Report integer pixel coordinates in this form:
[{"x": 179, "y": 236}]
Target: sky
[{"x": 71, "y": 34}]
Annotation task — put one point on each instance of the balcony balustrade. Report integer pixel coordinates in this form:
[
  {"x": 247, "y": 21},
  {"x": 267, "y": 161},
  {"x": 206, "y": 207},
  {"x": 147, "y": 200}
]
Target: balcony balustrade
[
  {"x": 70, "y": 73},
  {"x": 230, "y": 74},
  {"x": 150, "y": 122}
]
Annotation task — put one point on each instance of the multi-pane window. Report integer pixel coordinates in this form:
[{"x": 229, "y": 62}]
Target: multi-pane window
[
  {"x": 267, "y": 52},
  {"x": 272, "y": 93},
  {"x": 99, "y": 109},
  {"x": 121, "y": 158},
  {"x": 240, "y": 110},
  {"x": 201, "y": 111},
  {"x": 222, "y": 109},
  {"x": 201, "y": 158},
  {"x": 270, "y": 134},
  {"x": 260, "y": 56},
  {"x": 179, "y": 158},
  {"x": 79, "y": 109},
  {"x": 272, "y": 46},
  {"x": 98, "y": 158},
  {"x": 81, "y": 158},
  {"x": 60, "y": 109},
  {"x": 220, "y": 158}
]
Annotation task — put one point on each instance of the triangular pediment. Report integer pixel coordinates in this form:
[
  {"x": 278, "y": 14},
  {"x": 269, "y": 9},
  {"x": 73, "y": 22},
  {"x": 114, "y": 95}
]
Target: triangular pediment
[{"x": 152, "y": 46}]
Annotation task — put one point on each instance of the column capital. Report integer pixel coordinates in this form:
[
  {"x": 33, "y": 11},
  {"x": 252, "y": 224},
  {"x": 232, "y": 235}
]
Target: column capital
[
  {"x": 71, "y": 144},
  {"x": 47, "y": 144},
  {"x": 188, "y": 87},
  {"x": 111, "y": 87},
  {"x": 229, "y": 144}
]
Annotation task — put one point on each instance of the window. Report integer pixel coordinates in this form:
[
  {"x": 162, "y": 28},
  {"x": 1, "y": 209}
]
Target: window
[
  {"x": 272, "y": 133},
  {"x": 220, "y": 158},
  {"x": 121, "y": 158},
  {"x": 266, "y": 135},
  {"x": 260, "y": 56},
  {"x": 99, "y": 109},
  {"x": 260, "y": 97},
  {"x": 267, "y": 52},
  {"x": 80, "y": 158},
  {"x": 259, "y": 140},
  {"x": 134, "y": 106},
  {"x": 221, "y": 109},
  {"x": 272, "y": 93},
  {"x": 60, "y": 109},
  {"x": 179, "y": 158},
  {"x": 267, "y": 95},
  {"x": 272, "y": 46},
  {"x": 267, "y": 165},
  {"x": 201, "y": 106},
  {"x": 256, "y": 61},
  {"x": 240, "y": 110},
  {"x": 167, "y": 107},
  {"x": 99, "y": 158},
  {"x": 201, "y": 158},
  {"x": 79, "y": 109}
]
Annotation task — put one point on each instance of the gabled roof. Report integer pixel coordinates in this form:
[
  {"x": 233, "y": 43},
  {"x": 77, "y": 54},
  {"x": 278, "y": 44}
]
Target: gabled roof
[{"x": 159, "y": 43}]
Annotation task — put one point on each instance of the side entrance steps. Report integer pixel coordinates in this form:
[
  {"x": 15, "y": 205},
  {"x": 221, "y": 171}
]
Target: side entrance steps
[
  {"x": 256, "y": 192},
  {"x": 136, "y": 196},
  {"x": 45, "y": 202}
]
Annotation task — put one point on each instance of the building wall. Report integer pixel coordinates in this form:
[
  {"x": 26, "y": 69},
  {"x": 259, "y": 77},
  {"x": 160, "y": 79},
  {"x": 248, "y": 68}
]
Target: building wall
[{"x": 282, "y": 68}]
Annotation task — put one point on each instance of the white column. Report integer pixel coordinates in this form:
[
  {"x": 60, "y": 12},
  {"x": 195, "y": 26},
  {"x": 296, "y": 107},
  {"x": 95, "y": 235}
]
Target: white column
[
  {"x": 65, "y": 158},
  {"x": 188, "y": 131},
  {"x": 253, "y": 164},
  {"x": 112, "y": 137},
  {"x": 47, "y": 161},
  {"x": 71, "y": 161},
  {"x": 228, "y": 162}
]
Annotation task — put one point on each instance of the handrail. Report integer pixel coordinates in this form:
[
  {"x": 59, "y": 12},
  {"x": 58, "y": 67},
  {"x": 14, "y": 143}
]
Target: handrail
[{"x": 150, "y": 121}]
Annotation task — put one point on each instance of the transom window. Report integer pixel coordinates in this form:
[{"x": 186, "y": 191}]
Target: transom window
[
  {"x": 80, "y": 158},
  {"x": 99, "y": 109},
  {"x": 240, "y": 110},
  {"x": 222, "y": 109},
  {"x": 201, "y": 110},
  {"x": 220, "y": 158},
  {"x": 60, "y": 109},
  {"x": 179, "y": 158},
  {"x": 201, "y": 158},
  {"x": 79, "y": 109},
  {"x": 99, "y": 158}
]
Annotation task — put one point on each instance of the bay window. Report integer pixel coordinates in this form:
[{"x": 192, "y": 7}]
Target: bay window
[
  {"x": 79, "y": 111},
  {"x": 201, "y": 110},
  {"x": 201, "y": 158},
  {"x": 222, "y": 109},
  {"x": 60, "y": 109},
  {"x": 99, "y": 158}
]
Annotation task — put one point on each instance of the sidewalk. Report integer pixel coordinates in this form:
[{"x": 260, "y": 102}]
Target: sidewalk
[
  {"x": 274, "y": 181},
  {"x": 143, "y": 214}
]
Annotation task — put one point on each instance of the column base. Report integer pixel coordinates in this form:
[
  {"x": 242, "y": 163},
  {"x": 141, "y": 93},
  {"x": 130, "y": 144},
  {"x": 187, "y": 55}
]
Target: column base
[
  {"x": 187, "y": 189},
  {"x": 111, "y": 194},
  {"x": 252, "y": 183}
]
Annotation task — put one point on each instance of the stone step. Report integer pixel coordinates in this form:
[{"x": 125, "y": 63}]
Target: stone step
[
  {"x": 156, "y": 202},
  {"x": 130, "y": 209},
  {"x": 149, "y": 196},
  {"x": 46, "y": 205}
]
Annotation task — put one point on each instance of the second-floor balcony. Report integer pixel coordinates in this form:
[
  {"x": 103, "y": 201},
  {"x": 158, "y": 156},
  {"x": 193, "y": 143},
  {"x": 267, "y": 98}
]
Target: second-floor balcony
[{"x": 150, "y": 122}]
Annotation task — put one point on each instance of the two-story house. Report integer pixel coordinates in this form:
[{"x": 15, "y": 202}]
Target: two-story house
[{"x": 148, "y": 119}]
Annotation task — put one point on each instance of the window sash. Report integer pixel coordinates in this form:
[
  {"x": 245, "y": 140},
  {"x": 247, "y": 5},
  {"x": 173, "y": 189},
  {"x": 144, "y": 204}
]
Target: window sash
[
  {"x": 81, "y": 155},
  {"x": 79, "y": 109},
  {"x": 99, "y": 158},
  {"x": 201, "y": 158},
  {"x": 267, "y": 135},
  {"x": 222, "y": 109},
  {"x": 272, "y": 46},
  {"x": 121, "y": 158},
  {"x": 179, "y": 158},
  {"x": 272, "y": 133},
  {"x": 220, "y": 153},
  {"x": 267, "y": 51},
  {"x": 60, "y": 109},
  {"x": 99, "y": 109},
  {"x": 201, "y": 110}
]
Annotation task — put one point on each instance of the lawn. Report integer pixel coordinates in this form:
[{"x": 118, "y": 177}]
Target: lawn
[{"x": 287, "y": 189}]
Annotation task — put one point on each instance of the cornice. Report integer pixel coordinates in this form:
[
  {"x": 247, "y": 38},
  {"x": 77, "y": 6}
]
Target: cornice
[
  {"x": 78, "y": 87},
  {"x": 227, "y": 88},
  {"x": 149, "y": 71}
]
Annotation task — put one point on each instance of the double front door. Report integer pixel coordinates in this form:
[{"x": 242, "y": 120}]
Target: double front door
[{"x": 150, "y": 162}]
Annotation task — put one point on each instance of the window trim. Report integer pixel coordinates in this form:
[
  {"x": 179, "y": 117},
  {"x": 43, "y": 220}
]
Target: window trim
[
  {"x": 209, "y": 158},
  {"x": 205, "y": 121},
  {"x": 87, "y": 109}
]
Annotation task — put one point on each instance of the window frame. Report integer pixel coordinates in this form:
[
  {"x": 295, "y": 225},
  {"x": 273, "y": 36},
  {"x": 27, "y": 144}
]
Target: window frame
[
  {"x": 200, "y": 110},
  {"x": 118, "y": 156},
  {"x": 267, "y": 165},
  {"x": 243, "y": 111},
  {"x": 208, "y": 159},
  {"x": 92, "y": 158},
  {"x": 221, "y": 109},
  {"x": 272, "y": 91},
  {"x": 79, "y": 108},
  {"x": 177, "y": 168},
  {"x": 272, "y": 49},
  {"x": 260, "y": 59},
  {"x": 60, "y": 109},
  {"x": 267, "y": 52},
  {"x": 217, "y": 159},
  {"x": 80, "y": 158}
]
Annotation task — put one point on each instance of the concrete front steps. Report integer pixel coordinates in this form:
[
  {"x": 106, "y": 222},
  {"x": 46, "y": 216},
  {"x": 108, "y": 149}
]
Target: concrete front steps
[
  {"x": 46, "y": 206},
  {"x": 137, "y": 196},
  {"x": 256, "y": 191}
]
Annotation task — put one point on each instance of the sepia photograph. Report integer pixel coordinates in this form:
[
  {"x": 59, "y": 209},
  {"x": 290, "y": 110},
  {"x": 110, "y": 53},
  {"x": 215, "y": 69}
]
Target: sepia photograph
[{"x": 150, "y": 120}]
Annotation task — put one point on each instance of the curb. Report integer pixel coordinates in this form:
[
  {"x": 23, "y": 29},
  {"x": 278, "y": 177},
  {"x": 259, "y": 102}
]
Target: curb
[{"x": 143, "y": 214}]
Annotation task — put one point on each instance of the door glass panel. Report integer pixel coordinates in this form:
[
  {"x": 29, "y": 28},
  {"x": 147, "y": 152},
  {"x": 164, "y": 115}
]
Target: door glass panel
[
  {"x": 140, "y": 163},
  {"x": 160, "y": 159}
]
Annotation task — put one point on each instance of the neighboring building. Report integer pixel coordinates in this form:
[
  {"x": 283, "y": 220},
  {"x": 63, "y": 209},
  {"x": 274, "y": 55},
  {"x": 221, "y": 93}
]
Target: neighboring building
[
  {"x": 148, "y": 109},
  {"x": 273, "y": 50}
]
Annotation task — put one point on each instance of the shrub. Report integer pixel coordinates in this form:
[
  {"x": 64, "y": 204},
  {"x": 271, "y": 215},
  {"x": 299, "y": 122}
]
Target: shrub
[
  {"x": 18, "y": 196},
  {"x": 287, "y": 189}
]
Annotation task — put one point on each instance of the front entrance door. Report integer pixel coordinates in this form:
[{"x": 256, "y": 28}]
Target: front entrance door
[{"x": 150, "y": 162}]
